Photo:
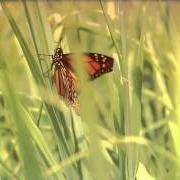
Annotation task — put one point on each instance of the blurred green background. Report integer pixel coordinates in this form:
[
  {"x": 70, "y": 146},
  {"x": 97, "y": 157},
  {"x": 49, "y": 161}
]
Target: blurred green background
[{"x": 129, "y": 123}]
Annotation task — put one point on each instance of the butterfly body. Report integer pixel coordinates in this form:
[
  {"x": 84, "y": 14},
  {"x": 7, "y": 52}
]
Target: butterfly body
[{"x": 64, "y": 74}]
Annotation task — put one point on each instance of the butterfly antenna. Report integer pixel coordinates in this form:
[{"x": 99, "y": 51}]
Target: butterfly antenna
[{"x": 44, "y": 55}]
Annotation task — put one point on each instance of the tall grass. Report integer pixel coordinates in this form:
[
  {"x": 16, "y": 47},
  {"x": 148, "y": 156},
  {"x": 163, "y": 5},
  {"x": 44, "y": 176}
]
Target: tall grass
[{"x": 128, "y": 126}]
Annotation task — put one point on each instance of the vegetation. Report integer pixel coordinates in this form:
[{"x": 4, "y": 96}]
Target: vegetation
[{"x": 129, "y": 123}]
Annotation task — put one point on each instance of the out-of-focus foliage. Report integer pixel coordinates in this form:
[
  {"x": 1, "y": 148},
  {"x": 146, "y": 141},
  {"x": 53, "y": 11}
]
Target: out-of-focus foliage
[{"x": 129, "y": 123}]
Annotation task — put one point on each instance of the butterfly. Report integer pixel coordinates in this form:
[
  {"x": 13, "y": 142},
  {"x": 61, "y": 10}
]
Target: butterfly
[{"x": 65, "y": 79}]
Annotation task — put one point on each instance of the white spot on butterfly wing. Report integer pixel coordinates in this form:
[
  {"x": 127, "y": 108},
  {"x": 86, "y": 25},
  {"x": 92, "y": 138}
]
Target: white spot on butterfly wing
[
  {"x": 96, "y": 57},
  {"x": 104, "y": 59}
]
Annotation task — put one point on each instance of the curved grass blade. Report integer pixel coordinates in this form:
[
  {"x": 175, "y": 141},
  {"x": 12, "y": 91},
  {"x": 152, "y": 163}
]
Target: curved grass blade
[
  {"x": 29, "y": 57},
  {"x": 32, "y": 168}
]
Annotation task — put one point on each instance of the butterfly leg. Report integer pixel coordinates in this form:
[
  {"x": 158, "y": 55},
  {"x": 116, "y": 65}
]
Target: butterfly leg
[
  {"x": 52, "y": 65},
  {"x": 45, "y": 55}
]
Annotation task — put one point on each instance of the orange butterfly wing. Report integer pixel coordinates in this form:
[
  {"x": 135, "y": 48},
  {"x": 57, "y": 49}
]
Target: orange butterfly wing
[
  {"x": 66, "y": 85},
  {"x": 96, "y": 64}
]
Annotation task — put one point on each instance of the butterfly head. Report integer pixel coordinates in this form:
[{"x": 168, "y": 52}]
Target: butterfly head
[
  {"x": 58, "y": 53},
  {"x": 57, "y": 57}
]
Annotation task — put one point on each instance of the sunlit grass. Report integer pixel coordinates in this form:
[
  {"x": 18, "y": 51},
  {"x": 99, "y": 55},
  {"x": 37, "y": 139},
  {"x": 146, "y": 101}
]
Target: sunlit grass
[{"x": 128, "y": 126}]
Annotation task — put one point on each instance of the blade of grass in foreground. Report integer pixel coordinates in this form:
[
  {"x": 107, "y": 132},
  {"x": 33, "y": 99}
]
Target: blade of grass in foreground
[
  {"x": 27, "y": 149},
  {"x": 123, "y": 89},
  {"x": 29, "y": 57}
]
